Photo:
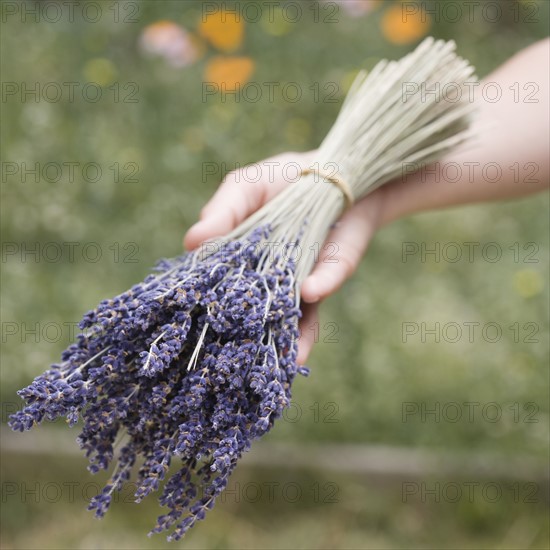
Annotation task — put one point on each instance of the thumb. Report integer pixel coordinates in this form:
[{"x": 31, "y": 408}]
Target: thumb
[{"x": 204, "y": 230}]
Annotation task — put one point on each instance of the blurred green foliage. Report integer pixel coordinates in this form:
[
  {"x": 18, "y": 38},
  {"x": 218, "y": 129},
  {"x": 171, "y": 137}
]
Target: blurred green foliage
[{"x": 369, "y": 373}]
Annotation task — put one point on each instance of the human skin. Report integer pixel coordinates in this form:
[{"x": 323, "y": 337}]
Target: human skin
[{"x": 507, "y": 131}]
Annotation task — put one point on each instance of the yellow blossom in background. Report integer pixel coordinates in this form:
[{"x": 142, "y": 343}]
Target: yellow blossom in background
[
  {"x": 401, "y": 26},
  {"x": 229, "y": 72},
  {"x": 224, "y": 30},
  {"x": 101, "y": 71},
  {"x": 528, "y": 283}
]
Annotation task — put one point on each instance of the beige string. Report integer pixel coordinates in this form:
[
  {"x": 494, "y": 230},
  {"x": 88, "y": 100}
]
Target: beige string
[{"x": 335, "y": 180}]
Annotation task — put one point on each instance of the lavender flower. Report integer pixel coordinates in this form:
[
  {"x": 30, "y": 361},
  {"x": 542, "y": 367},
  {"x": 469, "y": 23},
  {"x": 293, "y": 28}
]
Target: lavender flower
[{"x": 188, "y": 366}]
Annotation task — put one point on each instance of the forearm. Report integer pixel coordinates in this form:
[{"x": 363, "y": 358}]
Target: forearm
[{"x": 507, "y": 159}]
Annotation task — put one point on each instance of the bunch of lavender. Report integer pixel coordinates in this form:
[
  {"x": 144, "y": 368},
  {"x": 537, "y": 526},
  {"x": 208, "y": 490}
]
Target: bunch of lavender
[
  {"x": 193, "y": 363},
  {"x": 198, "y": 360}
]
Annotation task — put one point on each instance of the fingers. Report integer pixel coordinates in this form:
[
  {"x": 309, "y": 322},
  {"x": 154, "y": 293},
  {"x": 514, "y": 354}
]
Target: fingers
[
  {"x": 343, "y": 250},
  {"x": 235, "y": 199},
  {"x": 310, "y": 315},
  {"x": 243, "y": 192}
]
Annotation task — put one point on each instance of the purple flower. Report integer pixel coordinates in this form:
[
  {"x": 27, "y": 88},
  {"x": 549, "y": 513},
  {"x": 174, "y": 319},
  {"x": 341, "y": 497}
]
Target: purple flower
[{"x": 191, "y": 365}]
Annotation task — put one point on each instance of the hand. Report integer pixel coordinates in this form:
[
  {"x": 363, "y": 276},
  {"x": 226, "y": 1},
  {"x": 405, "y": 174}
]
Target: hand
[
  {"x": 237, "y": 198},
  {"x": 507, "y": 132}
]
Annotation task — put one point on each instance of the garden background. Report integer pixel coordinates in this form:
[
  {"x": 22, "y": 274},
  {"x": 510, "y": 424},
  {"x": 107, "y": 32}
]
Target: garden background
[{"x": 125, "y": 162}]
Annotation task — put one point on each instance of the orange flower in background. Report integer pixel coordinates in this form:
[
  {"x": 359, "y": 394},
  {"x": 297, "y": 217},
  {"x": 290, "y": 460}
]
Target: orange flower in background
[
  {"x": 223, "y": 29},
  {"x": 403, "y": 26},
  {"x": 172, "y": 42},
  {"x": 229, "y": 72}
]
